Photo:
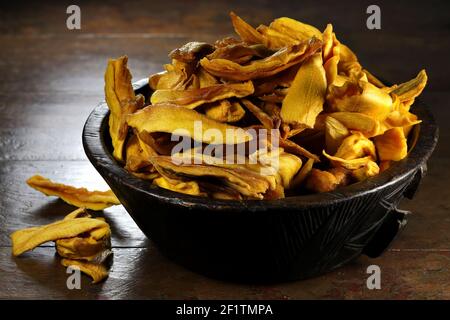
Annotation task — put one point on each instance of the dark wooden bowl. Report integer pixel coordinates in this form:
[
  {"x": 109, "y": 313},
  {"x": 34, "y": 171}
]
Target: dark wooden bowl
[{"x": 266, "y": 241}]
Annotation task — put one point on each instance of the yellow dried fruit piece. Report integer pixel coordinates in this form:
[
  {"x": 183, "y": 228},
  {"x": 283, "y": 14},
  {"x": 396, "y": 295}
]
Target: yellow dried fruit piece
[
  {"x": 321, "y": 181},
  {"x": 294, "y": 148},
  {"x": 277, "y": 62},
  {"x": 302, "y": 174},
  {"x": 28, "y": 239},
  {"x": 225, "y": 111},
  {"x": 305, "y": 98},
  {"x": 369, "y": 170},
  {"x": 240, "y": 178},
  {"x": 335, "y": 133},
  {"x": 186, "y": 187},
  {"x": 121, "y": 101},
  {"x": 411, "y": 89},
  {"x": 273, "y": 39},
  {"x": 205, "y": 79},
  {"x": 373, "y": 80},
  {"x": 177, "y": 120},
  {"x": 359, "y": 122},
  {"x": 295, "y": 29},
  {"x": 263, "y": 117},
  {"x": 191, "y": 51},
  {"x": 247, "y": 33},
  {"x": 391, "y": 145},
  {"x": 97, "y": 272},
  {"x": 79, "y": 197},
  {"x": 352, "y": 164},
  {"x": 175, "y": 76},
  {"x": 356, "y": 146},
  {"x": 192, "y": 98},
  {"x": 136, "y": 158},
  {"x": 362, "y": 97},
  {"x": 289, "y": 165},
  {"x": 348, "y": 62}
]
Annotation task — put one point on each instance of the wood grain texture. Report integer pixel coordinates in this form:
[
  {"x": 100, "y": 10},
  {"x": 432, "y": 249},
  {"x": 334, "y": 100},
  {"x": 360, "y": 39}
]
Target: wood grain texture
[
  {"x": 52, "y": 78},
  {"x": 143, "y": 273}
]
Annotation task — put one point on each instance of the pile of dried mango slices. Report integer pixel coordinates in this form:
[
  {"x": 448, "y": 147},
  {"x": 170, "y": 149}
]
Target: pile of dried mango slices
[{"x": 337, "y": 123}]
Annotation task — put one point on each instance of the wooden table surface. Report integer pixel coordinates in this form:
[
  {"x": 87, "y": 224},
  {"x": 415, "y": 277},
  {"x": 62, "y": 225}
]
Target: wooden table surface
[{"x": 51, "y": 78}]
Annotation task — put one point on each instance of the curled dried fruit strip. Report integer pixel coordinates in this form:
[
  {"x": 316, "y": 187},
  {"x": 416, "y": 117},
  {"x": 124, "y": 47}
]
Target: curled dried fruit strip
[
  {"x": 191, "y": 51},
  {"x": 305, "y": 98},
  {"x": 28, "y": 239},
  {"x": 247, "y": 33},
  {"x": 177, "y": 120},
  {"x": 186, "y": 187},
  {"x": 279, "y": 61},
  {"x": 352, "y": 164},
  {"x": 240, "y": 178},
  {"x": 193, "y": 98},
  {"x": 411, "y": 89},
  {"x": 97, "y": 272},
  {"x": 121, "y": 101},
  {"x": 294, "y": 148},
  {"x": 79, "y": 197}
]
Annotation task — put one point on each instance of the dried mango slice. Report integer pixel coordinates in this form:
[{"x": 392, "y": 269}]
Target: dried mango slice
[
  {"x": 295, "y": 29},
  {"x": 186, "y": 187},
  {"x": 97, "y": 272},
  {"x": 193, "y": 98},
  {"x": 335, "y": 133},
  {"x": 294, "y": 148},
  {"x": 171, "y": 119},
  {"x": 28, "y": 239},
  {"x": 136, "y": 159},
  {"x": 362, "y": 97},
  {"x": 79, "y": 197},
  {"x": 392, "y": 145},
  {"x": 302, "y": 174},
  {"x": 279, "y": 61},
  {"x": 289, "y": 165},
  {"x": 352, "y": 164},
  {"x": 175, "y": 76},
  {"x": 373, "y": 80},
  {"x": 411, "y": 89},
  {"x": 321, "y": 181},
  {"x": 191, "y": 51},
  {"x": 245, "y": 181},
  {"x": 121, "y": 101},
  {"x": 369, "y": 170},
  {"x": 348, "y": 62},
  {"x": 305, "y": 98},
  {"x": 225, "y": 111},
  {"x": 356, "y": 146},
  {"x": 263, "y": 117},
  {"x": 240, "y": 53},
  {"x": 274, "y": 39},
  {"x": 359, "y": 122},
  {"x": 205, "y": 79},
  {"x": 247, "y": 33}
]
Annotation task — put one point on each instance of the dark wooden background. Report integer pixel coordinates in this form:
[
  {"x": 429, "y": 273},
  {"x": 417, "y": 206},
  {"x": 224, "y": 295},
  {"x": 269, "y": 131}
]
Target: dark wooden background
[{"x": 51, "y": 78}]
